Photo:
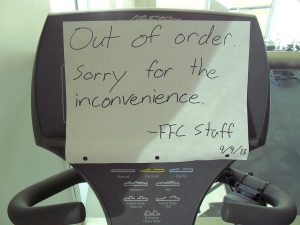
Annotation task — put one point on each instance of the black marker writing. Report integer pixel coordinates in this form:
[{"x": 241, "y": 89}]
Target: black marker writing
[
  {"x": 225, "y": 132},
  {"x": 233, "y": 150},
  {"x": 157, "y": 73},
  {"x": 143, "y": 38},
  {"x": 82, "y": 37},
  {"x": 102, "y": 76},
  {"x": 169, "y": 130},
  {"x": 199, "y": 69},
  {"x": 135, "y": 99},
  {"x": 202, "y": 39},
  {"x": 207, "y": 130}
]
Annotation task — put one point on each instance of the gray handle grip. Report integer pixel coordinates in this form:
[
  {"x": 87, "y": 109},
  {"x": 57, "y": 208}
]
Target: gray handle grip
[
  {"x": 21, "y": 212},
  {"x": 282, "y": 212}
]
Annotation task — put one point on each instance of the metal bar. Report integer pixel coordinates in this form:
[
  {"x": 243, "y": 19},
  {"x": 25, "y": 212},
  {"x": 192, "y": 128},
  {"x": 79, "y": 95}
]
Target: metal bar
[{"x": 283, "y": 60}]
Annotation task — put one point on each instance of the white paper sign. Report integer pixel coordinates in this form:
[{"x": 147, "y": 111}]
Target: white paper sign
[{"x": 156, "y": 91}]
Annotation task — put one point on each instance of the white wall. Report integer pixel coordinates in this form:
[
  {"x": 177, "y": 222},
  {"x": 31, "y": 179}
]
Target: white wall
[{"x": 21, "y": 162}]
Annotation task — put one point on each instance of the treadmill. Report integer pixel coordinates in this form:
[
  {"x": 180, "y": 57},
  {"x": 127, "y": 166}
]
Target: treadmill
[{"x": 252, "y": 200}]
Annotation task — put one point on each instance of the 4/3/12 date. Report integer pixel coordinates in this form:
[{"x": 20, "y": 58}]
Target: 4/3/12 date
[{"x": 232, "y": 150}]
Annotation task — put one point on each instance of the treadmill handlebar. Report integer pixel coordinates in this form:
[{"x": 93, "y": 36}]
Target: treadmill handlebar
[
  {"x": 234, "y": 210},
  {"x": 21, "y": 210},
  {"x": 282, "y": 209}
]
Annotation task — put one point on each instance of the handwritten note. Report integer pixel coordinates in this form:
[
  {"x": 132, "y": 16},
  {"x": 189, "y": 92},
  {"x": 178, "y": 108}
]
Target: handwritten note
[{"x": 156, "y": 91}]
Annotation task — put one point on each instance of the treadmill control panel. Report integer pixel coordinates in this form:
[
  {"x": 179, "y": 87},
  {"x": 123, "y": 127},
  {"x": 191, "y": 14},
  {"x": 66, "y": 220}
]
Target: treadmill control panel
[{"x": 160, "y": 193}]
